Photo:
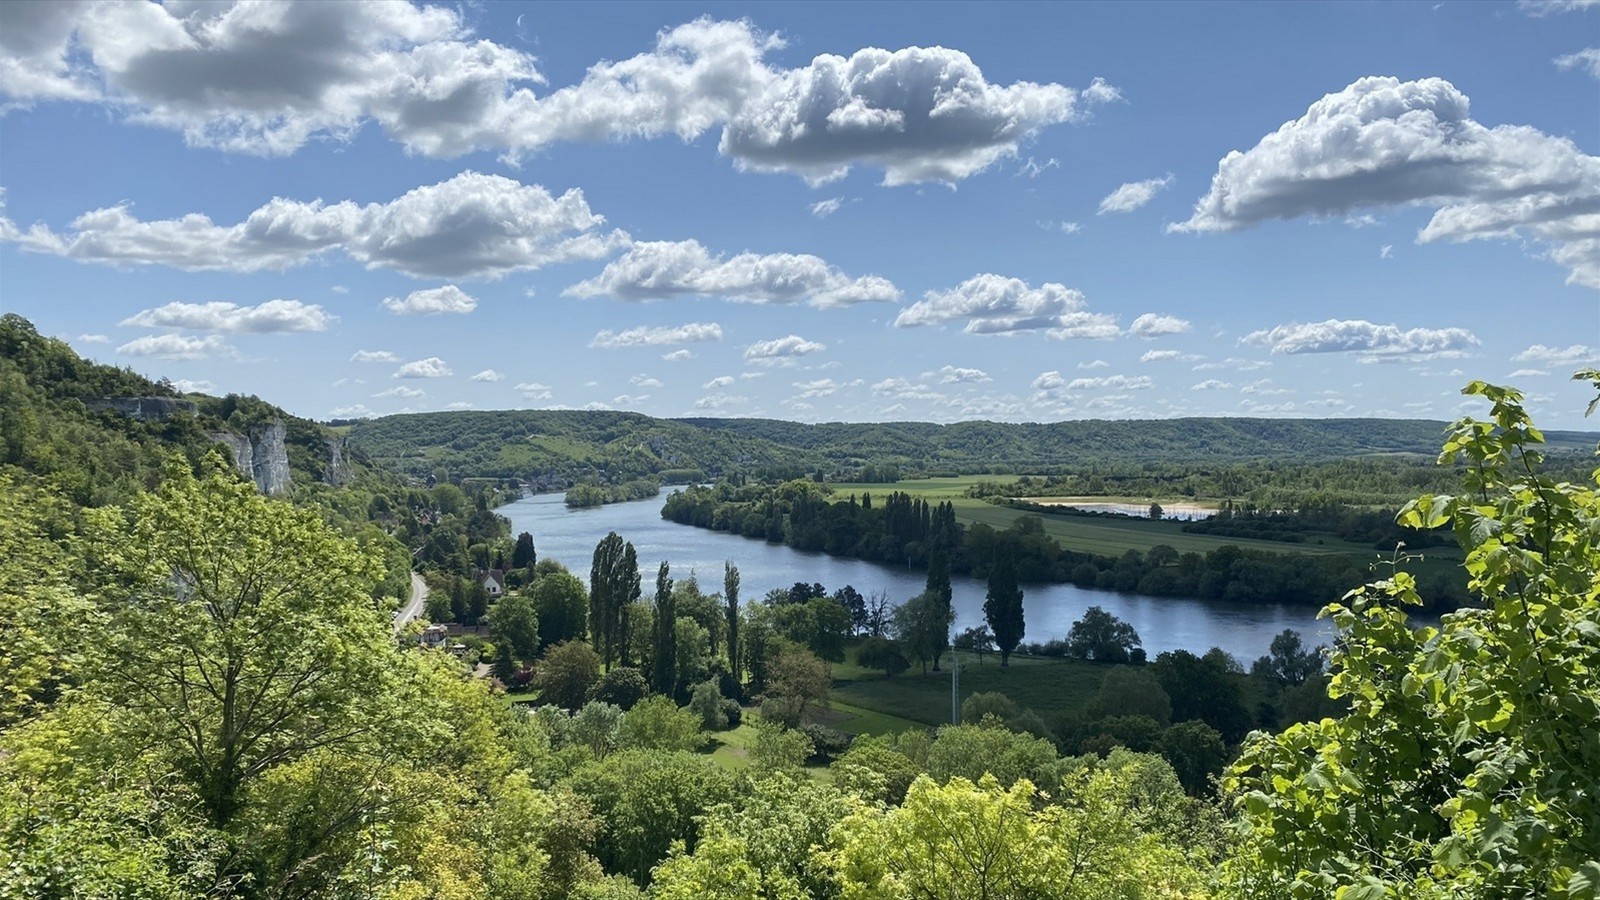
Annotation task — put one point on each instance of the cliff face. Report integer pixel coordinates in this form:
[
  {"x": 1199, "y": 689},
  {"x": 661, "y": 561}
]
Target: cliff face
[
  {"x": 261, "y": 455},
  {"x": 338, "y": 468}
]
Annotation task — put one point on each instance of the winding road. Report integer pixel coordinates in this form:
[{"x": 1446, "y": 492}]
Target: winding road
[{"x": 413, "y": 607}]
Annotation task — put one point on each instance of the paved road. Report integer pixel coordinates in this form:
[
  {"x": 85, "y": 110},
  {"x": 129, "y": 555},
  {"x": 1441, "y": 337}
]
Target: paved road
[{"x": 413, "y": 608}]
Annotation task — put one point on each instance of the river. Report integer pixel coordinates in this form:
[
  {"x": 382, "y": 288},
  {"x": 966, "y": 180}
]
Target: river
[{"x": 1164, "y": 623}]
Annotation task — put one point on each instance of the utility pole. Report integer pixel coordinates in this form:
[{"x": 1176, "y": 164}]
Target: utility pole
[{"x": 955, "y": 686}]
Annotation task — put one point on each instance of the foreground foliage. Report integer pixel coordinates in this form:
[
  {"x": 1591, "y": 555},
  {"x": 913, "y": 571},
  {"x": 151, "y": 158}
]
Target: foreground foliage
[{"x": 1469, "y": 762}]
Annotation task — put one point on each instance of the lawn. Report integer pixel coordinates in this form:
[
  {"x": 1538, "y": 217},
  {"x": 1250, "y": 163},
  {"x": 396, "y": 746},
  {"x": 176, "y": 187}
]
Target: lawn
[{"x": 1049, "y": 687}]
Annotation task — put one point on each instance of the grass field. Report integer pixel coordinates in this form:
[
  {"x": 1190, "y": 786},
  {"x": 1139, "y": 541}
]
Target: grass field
[{"x": 1106, "y": 536}]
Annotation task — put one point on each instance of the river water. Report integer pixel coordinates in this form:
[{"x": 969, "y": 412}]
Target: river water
[{"x": 1164, "y": 623}]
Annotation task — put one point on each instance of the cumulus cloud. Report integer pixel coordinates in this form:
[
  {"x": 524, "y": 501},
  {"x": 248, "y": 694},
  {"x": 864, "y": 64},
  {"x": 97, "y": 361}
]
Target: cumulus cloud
[
  {"x": 822, "y": 387},
  {"x": 995, "y": 304},
  {"x": 677, "y": 355},
  {"x": 266, "y": 78},
  {"x": 1094, "y": 364},
  {"x": 721, "y": 381},
  {"x": 648, "y": 336},
  {"x": 1157, "y": 355},
  {"x": 432, "y": 367},
  {"x": 273, "y": 316},
  {"x": 1585, "y": 60},
  {"x": 657, "y": 270},
  {"x": 409, "y": 393},
  {"x": 488, "y": 375},
  {"x": 1111, "y": 382},
  {"x": 1133, "y": 195},
  {"x": 354, "y": 411},
  {"x": 383, "y": 356},
  {"x": 957, "y": 375},
  {"x": 1577, "y": 354},
  {"x": 782, "y": 350},
  {"x": 469, "y": 226},
  {"x": 1382, "y": 142},
  {"x": 1210, "y": 384},
  {"x": 645, "y": 381},
  {"x": 720, "y": 401},
  {"x": 533, "y": 390},
  {"x": 1366, "y": 338},
  {"x": 1529, "y": 373},
  {"x": 1152, "y": 325},
  {"x": 177, "y": 346},
  {"x": 432, "y": 302},
  {"x": 94, "y": 339}
]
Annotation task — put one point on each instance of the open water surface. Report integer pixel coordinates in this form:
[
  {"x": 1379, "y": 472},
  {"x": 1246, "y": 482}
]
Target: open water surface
[{"x": 1164, "y": 623}]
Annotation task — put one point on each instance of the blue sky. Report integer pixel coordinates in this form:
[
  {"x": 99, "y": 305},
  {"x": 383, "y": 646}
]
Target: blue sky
[{"x": 813, "y": 211}]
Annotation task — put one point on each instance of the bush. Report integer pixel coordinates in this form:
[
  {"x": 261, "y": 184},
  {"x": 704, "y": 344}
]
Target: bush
[
  {"x": 733, "y": 711},
  {"x": 706, "y": 702},
  {"x": 826, "y": 743},
  {"x": 784, "y": 712},
  {"x": 623, "y": 687},
  {"x": 658, "y": 724}
]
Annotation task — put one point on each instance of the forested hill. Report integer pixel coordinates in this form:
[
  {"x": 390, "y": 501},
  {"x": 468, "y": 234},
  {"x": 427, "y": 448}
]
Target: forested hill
[
  {"x": 100, "y": 434},
  {"x": 561, "y": 446}
]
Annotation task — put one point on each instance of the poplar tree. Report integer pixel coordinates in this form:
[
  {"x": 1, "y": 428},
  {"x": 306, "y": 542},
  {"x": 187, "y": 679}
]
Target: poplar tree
[
  {"x": 664, "y": 662},
  {"x": 1002, "y": 607},
  {"x": 730, "y": 593}
]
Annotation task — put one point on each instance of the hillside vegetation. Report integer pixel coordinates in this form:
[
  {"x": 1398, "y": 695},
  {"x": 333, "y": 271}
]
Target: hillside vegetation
[{"x": 567, "y": 446}]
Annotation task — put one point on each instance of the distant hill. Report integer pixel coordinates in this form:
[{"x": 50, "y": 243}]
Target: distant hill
[{"x": 558, "y": 447}]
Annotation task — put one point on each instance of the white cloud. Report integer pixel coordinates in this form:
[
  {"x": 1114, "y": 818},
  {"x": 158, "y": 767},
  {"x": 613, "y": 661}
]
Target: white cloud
[
  {"x": 177, "y": 346},
  {"x": 1094, "y": 364},
  {"x": 1133, "y": 195},
  {"x": 1033, "y": 169},
  {"x": 267, "y": 78},
  {"x": 1529, "y": 373},
  {"x": 1361, "y": 336},
  {"x": 94, "y": 339},
  {"x": 186, "y": 386},
  {"x": 488, "y": 375},
  {"x": 1158, "y": 355},
  {"x": 1152, "y": 325},
  {"x": 645, "y": 381},
  {"x": 956, "y": 375},
  {"x": 401, "y": 391},
  {"x": 658, "y": 270},
  {"x": 354, "y": 411},
  {"x": 720, "y": 381},
  {"x": 1577, "y": 354},
  {"x": 1210, "y": 384},
  {"x": 720, "y": 401},
  {"x": 677, "y": 355},
  {"x": 1587, "y": 60},
  {"x": 995, "y": 304},
  {"x": 383, "y": 356},
  {"x": 647, "y": 336},
  {"x": 533, "y": 390},
  {"x": 339, "y": 289},
  {"x": 432, "y": 302},
  {"x": 1111, "y": 382},
  {"x": 781, "y": 350},
  {"x": 822, "y": 387},
  {"x": 825, "y": 208},
  {"x": 1234, "y": 363},
  {"x": 432, "y": 367},
  {"x": 1541, "y": 8},
  {"x": 1382, "y": 142},
  {"x": 1071, "y": 228},
  {"x": 1264, "y": 388},
  {"x": 458, "y": 404},
  {"x": 273, "y": 316},
  {"x": 1386, "y": 251},
  {"x": 1049, "y": 381},
  {"x": 471, "y": 225}
]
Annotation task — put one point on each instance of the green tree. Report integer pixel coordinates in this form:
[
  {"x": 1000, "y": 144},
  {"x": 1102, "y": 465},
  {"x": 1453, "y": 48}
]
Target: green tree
[
  {"x": 621, "y": 686},
  {"x": 562, "y": 603},
  {"x": 730, "y": 599},
  {"x": 1002, "y": 606},
  {"x": 648, "y": 801},
  {"x": 658, "y": 724},
  {"x": 1102, "y": 637},
  {"x": 514, "y": 621},
  {"x": 798, "y": 675},
  {"x": 242, "y": 632},
  {"x": 606, "y": 595},
  {"x": 943, "y": 602},
  {"x": 664, "y": 650},
  {"x": 1485, "y": 724},
  {"x": 566, "y": 674},
  {"x": 1197, "y": 754},
  {"x": 523, "y": 555},
  {"x": 1289, "y": 661},
  {"x": 922, "y": 626},
  {"x": 882, "y": 653}
]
